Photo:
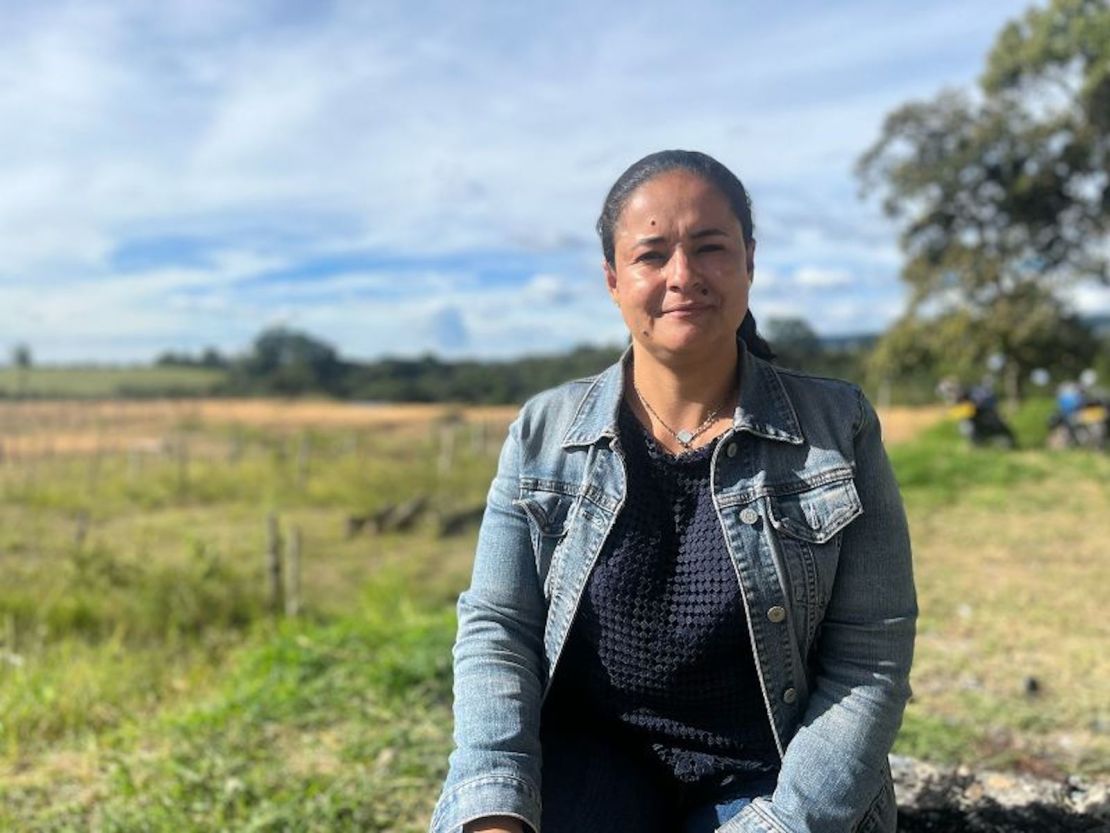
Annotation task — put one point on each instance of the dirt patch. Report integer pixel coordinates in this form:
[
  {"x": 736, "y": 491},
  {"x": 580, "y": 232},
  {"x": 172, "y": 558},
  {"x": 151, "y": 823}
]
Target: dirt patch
[{"x": 901, "y": 424}]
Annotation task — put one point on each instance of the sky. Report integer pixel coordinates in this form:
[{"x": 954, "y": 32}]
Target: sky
[{"x": 409, "y": 178}]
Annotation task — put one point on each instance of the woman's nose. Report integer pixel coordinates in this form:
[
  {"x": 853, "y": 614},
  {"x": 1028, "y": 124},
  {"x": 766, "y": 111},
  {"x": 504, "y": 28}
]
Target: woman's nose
[{"x": 681, "y": 275}]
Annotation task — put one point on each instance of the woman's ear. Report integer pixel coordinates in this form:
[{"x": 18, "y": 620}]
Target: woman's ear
[{"x": 610, "y": 279}]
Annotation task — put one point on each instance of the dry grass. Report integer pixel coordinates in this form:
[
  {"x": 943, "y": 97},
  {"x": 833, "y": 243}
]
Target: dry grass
[
  {"x": 64, "y": 427},
  {"x": 901, "y": 424}
]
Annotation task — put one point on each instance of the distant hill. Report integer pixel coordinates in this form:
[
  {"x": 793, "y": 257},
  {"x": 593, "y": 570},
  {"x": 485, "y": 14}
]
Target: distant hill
[{"x": 848, "y": 343}]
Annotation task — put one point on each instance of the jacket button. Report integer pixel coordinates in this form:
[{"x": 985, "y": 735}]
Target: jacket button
[
  {"x": 748, "y": 516},
  {"x": 789, "y": 696},
  {"x": 730, "y": 449},
  {"x": 776, "y": 614}
]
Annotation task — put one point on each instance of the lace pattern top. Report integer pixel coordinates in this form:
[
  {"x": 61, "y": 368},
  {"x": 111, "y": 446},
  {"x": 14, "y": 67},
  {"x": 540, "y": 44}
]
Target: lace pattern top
[{"x": 659, "y": 651}]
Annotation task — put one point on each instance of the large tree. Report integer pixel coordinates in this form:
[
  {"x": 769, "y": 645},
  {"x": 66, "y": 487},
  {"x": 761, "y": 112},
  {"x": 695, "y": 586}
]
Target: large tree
[
  {"x": 794, "y": 341},
  {"x": 1002, "y": 192},
  {"x": 21, "y": 361},
  {"x": 289, "y": 362}
]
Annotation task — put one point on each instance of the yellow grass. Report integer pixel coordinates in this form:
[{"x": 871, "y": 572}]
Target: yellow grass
[
  {"x": 44, "y": 428},
  {"x": 901, "y": 424}
]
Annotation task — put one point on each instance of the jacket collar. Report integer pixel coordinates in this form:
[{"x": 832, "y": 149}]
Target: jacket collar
[{"x": 764, "y": 409}]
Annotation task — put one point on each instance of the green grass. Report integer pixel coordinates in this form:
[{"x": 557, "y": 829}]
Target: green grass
[
  {"x": 1007, "y": 547},
  {"x": 124, "y": 586},
  {"x": 330, "y": 727},
  {"x": 105, "y": 382},
  {"x": 145, "y": 686},
  {"x": 939, "y": 468}
]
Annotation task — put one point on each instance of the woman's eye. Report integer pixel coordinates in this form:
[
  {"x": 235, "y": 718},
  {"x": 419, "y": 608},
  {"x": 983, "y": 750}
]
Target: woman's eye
[
  {"x": 649, "y": 257},
  {"x": 711, "y": 247}
]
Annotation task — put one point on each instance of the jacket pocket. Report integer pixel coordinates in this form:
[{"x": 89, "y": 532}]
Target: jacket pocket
[
  {"x": 547, "y": 512},
  {"x": 807, "y": 525},
  {"x": 882, "y": 814},
  {"x": 817, "y": 514}
]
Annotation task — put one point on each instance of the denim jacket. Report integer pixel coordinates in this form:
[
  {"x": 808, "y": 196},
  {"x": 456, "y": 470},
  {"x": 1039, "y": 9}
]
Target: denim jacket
[{"x": 816, "y": 531}]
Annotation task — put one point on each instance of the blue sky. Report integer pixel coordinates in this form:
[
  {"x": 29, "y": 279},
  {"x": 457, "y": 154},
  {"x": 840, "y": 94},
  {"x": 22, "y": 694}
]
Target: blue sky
[{"x": 405, "y": 178}]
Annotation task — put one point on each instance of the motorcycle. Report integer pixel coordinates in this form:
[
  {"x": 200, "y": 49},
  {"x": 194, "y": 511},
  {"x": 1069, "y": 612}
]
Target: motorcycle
[
  {"x": 979, "y": 421},
  {"x": 1081, "y": 420},
  {"x": 975, "y": 410}
]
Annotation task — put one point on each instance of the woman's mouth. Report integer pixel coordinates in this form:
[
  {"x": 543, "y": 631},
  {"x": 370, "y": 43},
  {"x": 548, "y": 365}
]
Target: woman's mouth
[{"x": 686, "y": 309}]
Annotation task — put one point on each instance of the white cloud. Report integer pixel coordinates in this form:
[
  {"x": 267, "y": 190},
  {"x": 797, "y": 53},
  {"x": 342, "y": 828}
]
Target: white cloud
[
  {"x": 280, "y": 135},
  {"x": 818, "y": 277},
  {"x": 1090, "y": 298}
]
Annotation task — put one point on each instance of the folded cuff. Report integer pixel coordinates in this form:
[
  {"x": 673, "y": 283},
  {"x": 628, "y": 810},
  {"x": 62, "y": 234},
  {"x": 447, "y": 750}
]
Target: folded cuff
[
  {"x": 752, "y": 819},
  {"x": 486, "y": 795}
]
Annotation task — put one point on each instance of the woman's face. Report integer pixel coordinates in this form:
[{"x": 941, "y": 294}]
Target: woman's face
[{"x": 681, "y": 270}]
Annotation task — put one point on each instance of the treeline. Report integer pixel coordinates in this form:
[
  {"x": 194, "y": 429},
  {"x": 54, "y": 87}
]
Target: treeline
[
  {"x": 431, "y": 380},
  {"x": 284, "y": 362},
  {"x": 287, "y": 363}
]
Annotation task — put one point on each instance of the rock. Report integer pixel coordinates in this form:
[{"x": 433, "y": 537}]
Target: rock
[{"x": 944, "y": 799}]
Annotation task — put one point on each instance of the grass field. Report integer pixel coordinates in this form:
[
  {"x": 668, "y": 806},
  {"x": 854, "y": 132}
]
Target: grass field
[
  {"x": 145, "y": 683},
  {"x": 1011, "y": 668},
  {"x": 89, "y": 382}
]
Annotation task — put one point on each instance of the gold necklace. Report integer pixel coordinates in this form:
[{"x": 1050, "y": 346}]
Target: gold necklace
[{"x": 685, "y": 438}]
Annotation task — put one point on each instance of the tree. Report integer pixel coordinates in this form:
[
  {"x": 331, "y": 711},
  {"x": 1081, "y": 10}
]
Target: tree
[
  {"x": 793, "y": 340},
  {"x": 211, "y": 357},
  {"x": 21, "y": 357},
  {"x": 21, "y": 361},
  {"x": 1003, "y": 193},
  {"x": 1043, "y": 333},
  {"x": 289, "y": 362}
]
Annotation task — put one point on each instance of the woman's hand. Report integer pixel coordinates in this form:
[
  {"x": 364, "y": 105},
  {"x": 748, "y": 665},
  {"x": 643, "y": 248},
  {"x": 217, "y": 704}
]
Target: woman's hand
[{"x": 495, "y": 824}]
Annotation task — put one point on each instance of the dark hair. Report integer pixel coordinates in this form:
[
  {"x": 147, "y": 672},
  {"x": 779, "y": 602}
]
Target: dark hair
[{"x": 713, "y": 172}]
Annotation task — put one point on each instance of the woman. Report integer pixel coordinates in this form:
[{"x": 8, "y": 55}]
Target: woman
[{"x": 692, "y": 605}]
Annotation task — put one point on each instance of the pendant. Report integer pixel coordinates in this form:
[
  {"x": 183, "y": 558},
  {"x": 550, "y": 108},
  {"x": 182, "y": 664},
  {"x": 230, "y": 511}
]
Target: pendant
[{"x": 684, "y": 437}]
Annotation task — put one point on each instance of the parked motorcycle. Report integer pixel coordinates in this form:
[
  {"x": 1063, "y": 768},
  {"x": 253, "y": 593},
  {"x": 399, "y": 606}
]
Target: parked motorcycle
[
  {"x": 1081, "y": 419},
  {"x": 975, "y": 410}
]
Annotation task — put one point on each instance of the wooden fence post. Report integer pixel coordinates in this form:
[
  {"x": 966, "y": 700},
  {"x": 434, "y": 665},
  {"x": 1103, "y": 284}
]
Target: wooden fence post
[
  {"x": 134, "y": 464},
  {"x": 9, "y": 633},
  {"x": 235, "y": 448},
  {"x": 478, "y": 438},
  {"x": 304, "y": 455},
  {"x": 446, "y": 447},
  {"x": 80, "y": 530},
  {"x": 182, "y": 465},
  {"x": 293, "y": 574},
  {"x": 94, "y": 467},
  {"x": 273, "y": 564}
]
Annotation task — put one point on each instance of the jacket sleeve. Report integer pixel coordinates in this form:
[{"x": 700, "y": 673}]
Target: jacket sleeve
[
  {"x": 494, "y": 768},
  {"x": 834, "y": 771}
]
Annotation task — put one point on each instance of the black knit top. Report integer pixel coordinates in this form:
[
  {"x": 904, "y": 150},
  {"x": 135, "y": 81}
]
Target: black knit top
[{"x": 659, "y": 651}]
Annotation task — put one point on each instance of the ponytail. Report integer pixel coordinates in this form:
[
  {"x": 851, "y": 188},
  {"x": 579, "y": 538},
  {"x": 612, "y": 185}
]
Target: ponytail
[{"x": 756, "y": 344}]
